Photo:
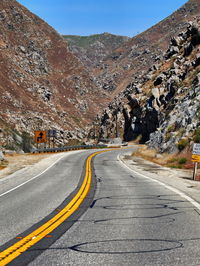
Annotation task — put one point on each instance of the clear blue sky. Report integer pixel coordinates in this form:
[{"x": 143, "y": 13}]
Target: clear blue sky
[{"x": 86, "y": 17}]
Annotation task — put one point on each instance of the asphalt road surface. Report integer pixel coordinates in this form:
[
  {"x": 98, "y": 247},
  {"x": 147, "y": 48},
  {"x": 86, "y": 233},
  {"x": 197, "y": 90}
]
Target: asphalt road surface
[
  {"x": 25, "y": 206},
  {"x": 130, "y": 221}
]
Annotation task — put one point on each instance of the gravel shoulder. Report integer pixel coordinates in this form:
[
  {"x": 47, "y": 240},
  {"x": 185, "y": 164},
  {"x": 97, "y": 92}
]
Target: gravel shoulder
[
  {"x": 177, "y": 178},
  {"x": 17, "y": 162}
]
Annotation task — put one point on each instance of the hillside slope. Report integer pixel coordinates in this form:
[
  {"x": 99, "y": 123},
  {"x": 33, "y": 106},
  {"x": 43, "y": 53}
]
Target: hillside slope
[
  {"x": 162, "y": 106},
  {"x": 43, "y": 85},
  {"x": 91, "y": 50},
  {"x": 133, "y": 58}
]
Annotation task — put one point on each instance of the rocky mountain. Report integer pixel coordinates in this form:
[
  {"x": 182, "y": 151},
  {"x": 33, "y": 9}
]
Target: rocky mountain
[
  {"x": 43, "y": 85},
  {"x": 150, "y": 83},
  {"x": 91, "y": 50},
  {"x": 136, "y": 56},
  {"x": 163, "y": 105}
]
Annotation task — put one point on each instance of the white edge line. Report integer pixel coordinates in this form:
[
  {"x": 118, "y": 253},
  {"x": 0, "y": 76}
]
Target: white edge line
[
  {"x": 34, "y": 176},
  {"x": 175, "y": 190}
]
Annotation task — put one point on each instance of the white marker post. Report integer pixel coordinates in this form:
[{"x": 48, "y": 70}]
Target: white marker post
[{"x": 195, "y": 158}]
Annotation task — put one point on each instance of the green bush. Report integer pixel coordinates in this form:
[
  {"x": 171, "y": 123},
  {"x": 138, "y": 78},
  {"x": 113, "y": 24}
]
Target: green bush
[
  {"x": 171, "y": 128},
  {"x": 196, "y": 136},
  {"x": 167, "y": 136},
  {"x": 182, "y": 144},
  {"x": 26, "y": 144},
  {"x": 182, "y": 161},
  {"x": 176, "y": 166}
]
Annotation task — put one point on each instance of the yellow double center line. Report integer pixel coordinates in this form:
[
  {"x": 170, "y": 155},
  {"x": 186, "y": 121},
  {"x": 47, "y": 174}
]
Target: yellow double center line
[{"x": 25, "y": 243}]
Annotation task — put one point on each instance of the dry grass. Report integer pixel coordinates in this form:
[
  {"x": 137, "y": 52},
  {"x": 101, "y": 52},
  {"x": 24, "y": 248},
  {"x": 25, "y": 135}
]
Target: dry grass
[
  {"x": 3, "y": 164},
  {"x": 165, "y": 159},
  {"x": 15, "y": 162},
  {"x": 150, "y": 155}
]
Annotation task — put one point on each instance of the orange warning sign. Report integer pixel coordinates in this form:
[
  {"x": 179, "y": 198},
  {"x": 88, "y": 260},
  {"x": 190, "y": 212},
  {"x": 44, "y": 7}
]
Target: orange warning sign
[{"x": 40, "y": 136}]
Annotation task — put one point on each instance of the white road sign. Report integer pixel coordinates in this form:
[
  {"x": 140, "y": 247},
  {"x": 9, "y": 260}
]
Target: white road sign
[{"x": 196, "y": 149}]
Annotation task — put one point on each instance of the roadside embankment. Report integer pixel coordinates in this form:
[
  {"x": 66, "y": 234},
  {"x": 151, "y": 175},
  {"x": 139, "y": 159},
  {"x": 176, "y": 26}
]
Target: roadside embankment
[
  {"x": 177, "y": 178},
  {"x": 15, "y": 162}
]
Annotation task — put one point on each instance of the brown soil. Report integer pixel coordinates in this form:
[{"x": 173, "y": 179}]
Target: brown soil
[{"x": 15, "y": 162}]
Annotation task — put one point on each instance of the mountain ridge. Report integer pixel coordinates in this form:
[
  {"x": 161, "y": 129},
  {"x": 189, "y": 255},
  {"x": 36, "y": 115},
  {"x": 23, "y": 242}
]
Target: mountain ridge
[
  {"x": 43, "y": 85},
  {"x": 47, "y": 85},
  {"x": 94, "y": 48},
  {"x": 162, "y": 107},
  {"x": 138, "y": 54}
]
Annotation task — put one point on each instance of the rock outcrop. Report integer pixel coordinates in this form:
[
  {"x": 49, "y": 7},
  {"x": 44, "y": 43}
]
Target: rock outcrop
[
  {"x": 150, "y": 84},
  {"x": 136, "y": 56},
  {"x": 162, "y": 106},
  {"x": 43, "y": 85}
]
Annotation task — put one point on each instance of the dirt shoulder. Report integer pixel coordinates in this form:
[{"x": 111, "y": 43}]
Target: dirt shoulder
[
  {"x": 15, "y": 162},
  {"x": 177, "y": 178}
]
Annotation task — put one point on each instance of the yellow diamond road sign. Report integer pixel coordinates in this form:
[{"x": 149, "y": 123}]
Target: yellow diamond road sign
[{"x": 40, "y": 136}]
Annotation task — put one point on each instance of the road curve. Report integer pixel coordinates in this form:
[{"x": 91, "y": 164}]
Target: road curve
[
  {"x": 28, "y": 201},
  {"x": 130, "y": 221}
]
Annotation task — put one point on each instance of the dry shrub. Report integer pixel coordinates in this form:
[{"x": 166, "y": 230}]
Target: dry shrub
[
  {"x": 149, "y": 154},
  {"x": 3, "y": 164},
  {"x": 165, "y": 159}
]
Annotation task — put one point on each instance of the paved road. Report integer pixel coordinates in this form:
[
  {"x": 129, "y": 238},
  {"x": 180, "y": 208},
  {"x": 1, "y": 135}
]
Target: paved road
[
  {"x": 27, "y": 205},
  {"x": 131, "y": 221}
]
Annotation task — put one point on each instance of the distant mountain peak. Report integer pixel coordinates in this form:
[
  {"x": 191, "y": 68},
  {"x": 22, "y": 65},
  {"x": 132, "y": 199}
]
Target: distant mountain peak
[{"x": 94, "y": 48}]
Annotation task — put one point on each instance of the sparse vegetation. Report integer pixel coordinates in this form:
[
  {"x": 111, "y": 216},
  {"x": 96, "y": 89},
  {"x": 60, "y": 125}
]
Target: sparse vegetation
[
  {"x": 179, "y": 160},
  {"x": 167, "y": 136},
  {"x": 182, "y": 160},
  {"x": 171, "y": 128},
  {"x": 196, "y": 136},
  {"x": 182, "y": 144},
  {"x": 176, "y": 162},
  {"x": 26, "y": 142},
  {"x": 10, "y": 146},
  {"x": 3, "y": 164},
  {"x": 181, "y": 132},
  {"x": 173, "y": 160},
  {"x": 86, "y": 41},
  {"x": 176, "y": 166}
]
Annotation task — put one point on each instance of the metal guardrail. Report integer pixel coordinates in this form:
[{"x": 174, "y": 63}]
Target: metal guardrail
[{"x": 69, "y": 148}]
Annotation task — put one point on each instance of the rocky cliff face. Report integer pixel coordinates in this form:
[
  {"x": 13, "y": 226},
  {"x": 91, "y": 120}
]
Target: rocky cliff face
[
  {"x": 163, "y": 105},
  {"x": 91, "y": 50},
  {"x": 43, "y": 85},
  {"x": 155, "y": 94},
  {"x": 136, "y": 56},
  {"x": 177, "y": 96}
]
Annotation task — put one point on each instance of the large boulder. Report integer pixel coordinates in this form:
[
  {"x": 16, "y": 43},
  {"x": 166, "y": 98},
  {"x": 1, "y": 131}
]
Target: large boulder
[
  {"x": 159, "y": 79},
  {"x": 195, "y": 32},
  {"x": 196, "y": 81},
  {"x": 188, "y": 49},
  {"x": 196, "y": 62}
]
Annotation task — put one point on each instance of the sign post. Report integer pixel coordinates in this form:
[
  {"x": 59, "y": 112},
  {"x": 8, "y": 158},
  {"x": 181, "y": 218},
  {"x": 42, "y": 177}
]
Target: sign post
[
  {"x": 195, "y": 158},
  {"x": 195, "y": 170},
  {"x": 52, "y": 133}
]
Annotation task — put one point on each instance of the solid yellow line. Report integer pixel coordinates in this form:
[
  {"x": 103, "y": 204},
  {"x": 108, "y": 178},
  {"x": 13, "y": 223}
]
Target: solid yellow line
[{"x": 21, "y": 246}]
